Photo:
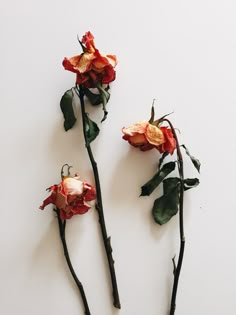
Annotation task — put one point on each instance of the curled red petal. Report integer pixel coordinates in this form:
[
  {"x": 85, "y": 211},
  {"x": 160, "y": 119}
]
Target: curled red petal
[
  {"x": 48, "y": 200},
  {"x": 90, "y": 194},
  {"x": 88, "y": 41},
  {"x": 109, "y": 75},
  {"x": 170, "y": 143},
  {"x": 68, "y": 65}
]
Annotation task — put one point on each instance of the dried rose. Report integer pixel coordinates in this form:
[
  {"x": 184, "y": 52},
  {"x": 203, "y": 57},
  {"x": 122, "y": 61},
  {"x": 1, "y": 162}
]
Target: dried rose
[
  {"x": 91, "y": 67},
  {"x": 71, "y": 197},
  {"x": 147, "y": 136}
]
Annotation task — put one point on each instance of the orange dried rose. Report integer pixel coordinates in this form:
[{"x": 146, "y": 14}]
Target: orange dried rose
[
  {"x": 71, "y": 197},
  {"x": 147, "y": 136},
  {"x": 91, "y": 67}
]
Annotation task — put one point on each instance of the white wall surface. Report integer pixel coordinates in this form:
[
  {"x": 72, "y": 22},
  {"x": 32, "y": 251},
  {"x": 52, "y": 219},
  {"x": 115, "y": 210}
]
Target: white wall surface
[{"x": 182, "y": 53}]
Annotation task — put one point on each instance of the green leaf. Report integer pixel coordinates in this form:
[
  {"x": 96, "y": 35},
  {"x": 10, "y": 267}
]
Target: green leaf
[
  {"x": 67, "y": 110},
  {"x": 190, "y": 183},
  {"x": 167, "y": 205},
  {"x": 195, "y": 161},
  {"x": 95, "y": 99},
  {"x": 170, "y": 183},
  {"x": 152, "y": 184},
  {"x": 164, "y": 155},
  {"x": 92, "y": 129},
  {"x": 105, "y": 96}
]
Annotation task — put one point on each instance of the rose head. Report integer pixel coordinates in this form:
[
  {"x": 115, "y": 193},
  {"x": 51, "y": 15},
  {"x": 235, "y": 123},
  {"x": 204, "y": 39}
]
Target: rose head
[
  {"x": 71, "y": 197},
  {"x": 91, "y": 67},
  {"x": 147, "y": 136}
]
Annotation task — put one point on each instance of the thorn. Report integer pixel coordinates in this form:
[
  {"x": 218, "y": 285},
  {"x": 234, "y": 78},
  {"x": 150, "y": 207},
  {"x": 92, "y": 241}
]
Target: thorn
[{"x": 174, "y": 265}]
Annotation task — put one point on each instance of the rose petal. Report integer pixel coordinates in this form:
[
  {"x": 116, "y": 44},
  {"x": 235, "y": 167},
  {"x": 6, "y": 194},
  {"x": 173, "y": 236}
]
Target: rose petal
[
  {"x": 100, "y": 62},
  {"x": 170, "y": 143},
  {"x": 48, "y": 200},
  {"x": 154, "y": 135},
  {"x": 73, "y": 186},
  {"x": 85, "y": 62},
  {"x": 88, "y": 40},
  {"x": 139, "y": 127},
  {"x": 68, "y": 65},
  {"x": 109, "y": 75},
  {"x": 90, "y": 193},
  {"x": 112, "y": 60},
  {"x": 138, "y": 140}
]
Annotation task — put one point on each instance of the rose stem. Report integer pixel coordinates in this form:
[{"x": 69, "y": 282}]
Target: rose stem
[
  {"x": 62, "y": 227},
  {"x": 99, "y": 206},
  {"x": 181, "y": 221}
]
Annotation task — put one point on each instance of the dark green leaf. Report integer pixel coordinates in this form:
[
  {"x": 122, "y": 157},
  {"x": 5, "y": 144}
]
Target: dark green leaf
[
  {"x": 92, "y": 129},
  {"x": 67, "y": 110},
  {"x": 195, "y": 161},
  {"x": 190, "y": 183},
  {"x": 169, "y": 184},
  {"x": 167, "y": 205},
  {"x": 152, "y": 184},
  {"x": 105, "y": 95},
  {"x": 164, "y": 155},
  {"x": 95, "y": 99}
]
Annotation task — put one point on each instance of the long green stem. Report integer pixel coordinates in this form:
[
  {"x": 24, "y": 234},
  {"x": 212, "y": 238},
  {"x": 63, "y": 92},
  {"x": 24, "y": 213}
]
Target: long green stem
[
  {"x": 62, "y": 227},
  {"x": 181, "y": 222},
  {"x": 99, "y": 205}
]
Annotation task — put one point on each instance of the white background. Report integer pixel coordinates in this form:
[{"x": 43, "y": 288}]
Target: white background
[{"x": 182, "y": 53}]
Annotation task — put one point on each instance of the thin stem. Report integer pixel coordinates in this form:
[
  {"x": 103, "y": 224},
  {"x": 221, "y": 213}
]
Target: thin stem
[
  {"x": 99, "y": 205},
  {"x": 62, "y": 227},
  {"x": 181, "y": 222}
]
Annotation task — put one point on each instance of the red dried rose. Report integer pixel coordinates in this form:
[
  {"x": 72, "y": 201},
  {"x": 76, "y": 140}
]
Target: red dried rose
[
  {"x": 71, "y": 197},
  {"x": 91, "y": 67}
]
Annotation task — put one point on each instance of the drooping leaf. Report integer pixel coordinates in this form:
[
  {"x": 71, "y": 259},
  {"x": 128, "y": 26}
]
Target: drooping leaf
[
  {"x": 190, "y": 183},
  {"x": 167, "y": 205},
  {"x": 67, "y": 110},
  {"x": 195, "y": 161},
  {"x": 95, "y": 99},
  {"x": 105, "y": 96},
  {"x": 92, "y": 129},
  {"x": 152, "y": 184},
  {"x": 164, "y": 155}
]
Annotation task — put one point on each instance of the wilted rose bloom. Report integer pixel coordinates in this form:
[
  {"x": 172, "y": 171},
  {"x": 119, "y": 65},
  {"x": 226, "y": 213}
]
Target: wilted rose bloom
[
  {"x": 91, "y": 67},
  {"x": 71, "y": 197},
  {"x": 147, "y": 136}
]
